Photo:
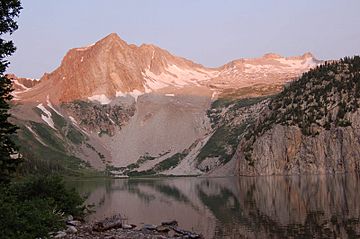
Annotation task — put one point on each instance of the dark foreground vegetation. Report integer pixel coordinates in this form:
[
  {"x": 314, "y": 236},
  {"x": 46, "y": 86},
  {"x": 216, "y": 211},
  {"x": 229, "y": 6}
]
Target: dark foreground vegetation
[
  {"x": 30, "y": 207},
  {"x": 34, "y": 206}
]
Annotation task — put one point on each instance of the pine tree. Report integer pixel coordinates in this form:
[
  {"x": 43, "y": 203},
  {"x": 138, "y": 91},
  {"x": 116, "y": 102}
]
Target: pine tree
[{"x": 9, "y": 9}]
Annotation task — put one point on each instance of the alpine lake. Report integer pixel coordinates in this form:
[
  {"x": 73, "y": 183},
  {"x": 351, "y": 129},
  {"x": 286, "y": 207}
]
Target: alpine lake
[{"x": 308, "y": 206}]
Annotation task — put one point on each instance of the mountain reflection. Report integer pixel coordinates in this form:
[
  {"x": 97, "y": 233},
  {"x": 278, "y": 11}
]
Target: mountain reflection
[{"x": 242, "y": 207}]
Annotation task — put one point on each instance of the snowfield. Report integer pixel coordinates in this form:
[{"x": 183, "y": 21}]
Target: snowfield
[{"x": 46, "y": 116}]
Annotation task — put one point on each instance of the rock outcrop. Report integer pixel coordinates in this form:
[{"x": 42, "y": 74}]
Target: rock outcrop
[
  {"x": 284, "y": 150},
  {"x": 21, "y": 84},
  {"x": 312, "y": 127}
]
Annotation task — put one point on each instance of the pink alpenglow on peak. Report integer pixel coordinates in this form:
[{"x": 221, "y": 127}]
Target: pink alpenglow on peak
[{"x": 111, "y": 68}]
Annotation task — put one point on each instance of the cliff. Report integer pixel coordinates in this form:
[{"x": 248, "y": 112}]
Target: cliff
[{"x": 312, "y": 127}]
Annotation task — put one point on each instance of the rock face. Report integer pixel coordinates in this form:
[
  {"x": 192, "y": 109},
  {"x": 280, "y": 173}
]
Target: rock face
[
  {"x": 104, "y": 119},
  {"x": 110, "y": 68},
  {"x": 21, "y": 84},
  {"x": 312, "y": 127},
  {"x": 124, "y": 107},
  {"x": 284, "y": 150}
]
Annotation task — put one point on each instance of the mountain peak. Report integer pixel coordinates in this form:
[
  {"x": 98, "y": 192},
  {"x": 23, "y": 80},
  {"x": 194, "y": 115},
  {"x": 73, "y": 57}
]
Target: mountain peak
[
  {"x": 305, "y": 57},
  {"x": 112, "y": 38},
  {"x": 111, "y": 67},
  {"x": 272, "y": 56},
  {"x": 308, "y": 55}
]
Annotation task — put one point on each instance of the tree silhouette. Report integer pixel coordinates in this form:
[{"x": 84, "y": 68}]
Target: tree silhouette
[{"x": 9, "y": 159}]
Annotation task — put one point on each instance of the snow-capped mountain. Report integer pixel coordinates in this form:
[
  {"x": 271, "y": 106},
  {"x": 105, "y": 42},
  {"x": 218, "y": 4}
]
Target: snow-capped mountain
[
  {"x": 137, "y": 108},
  {"x": 111, "y": 68}
]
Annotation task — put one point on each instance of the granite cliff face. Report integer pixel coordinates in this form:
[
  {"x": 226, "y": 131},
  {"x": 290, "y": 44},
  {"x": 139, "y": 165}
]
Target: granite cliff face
[
  {"x": 312, "y": 127},
  {"x": 284, "y": 150}
]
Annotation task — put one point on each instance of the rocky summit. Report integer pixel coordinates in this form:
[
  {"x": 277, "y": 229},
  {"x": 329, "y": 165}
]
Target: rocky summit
[{"x": 139, "y": 110}]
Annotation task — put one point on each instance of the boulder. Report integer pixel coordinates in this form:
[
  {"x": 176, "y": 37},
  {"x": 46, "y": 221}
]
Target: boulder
[
  {"x": 162, "y": 228},
  {"x": 70, "y": 218},
  {"x": 108, "y": 223},
  {"x": 149, "y": 227},
  {"x": 60, "y": 234},
  {"x": 73, "y": 223},
  {"x": 126, "y": 226},
  {"x": 170, "y": 223},
  {"x": 71, "y": 230}
]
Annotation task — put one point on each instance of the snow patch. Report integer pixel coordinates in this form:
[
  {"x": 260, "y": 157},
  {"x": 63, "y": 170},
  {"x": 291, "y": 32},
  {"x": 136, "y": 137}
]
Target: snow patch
[
  {"x": 153, "y": 82},
  {"x": 153, "y": 55},
  {"x": 214, "y": 95},
  {"x": 310, "y": 62},
  {"x": 46, "y": 116},
  {"x": 135, "y": 94},
  {"x": 36, "y": 135},
  {"x": 176, "y": 76},
  {"x": 84, "y": 48},
  {"x": 43, "y": 109},
  {"x": 52, "y": 107},
  {"x": 120, "y": 94},
  {"x": 147, "y": 89},
  {"x": 102, "y": 99},
  {"x": 250, "y": 68},
  {"x": 21, "y": 85},
  {"x": 281, "y": 65},
  {"x": 111, "y": 121},
  {"x": 172, "y": 95},
  {"x": 110, "y": 118},
  {"x": 298, "y": 63},
  {"x": 77, "y": 125},
  {"x": 72, "y": 119},
  {"x": 82, "y": 59}
]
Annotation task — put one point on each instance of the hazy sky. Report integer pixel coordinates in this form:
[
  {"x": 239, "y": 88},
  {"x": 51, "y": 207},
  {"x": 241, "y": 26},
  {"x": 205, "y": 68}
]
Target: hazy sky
[{"x": 209, "y": 32}]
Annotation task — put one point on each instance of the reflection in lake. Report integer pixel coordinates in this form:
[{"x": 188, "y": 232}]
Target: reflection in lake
[{"x": 242, "y": 207}]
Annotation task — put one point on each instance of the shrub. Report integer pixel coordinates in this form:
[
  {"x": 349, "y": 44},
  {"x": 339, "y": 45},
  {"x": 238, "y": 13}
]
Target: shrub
[
  {"x": 27, "y": 219},
  {"x": 35, "y": 206},
  {"x": 54, "y": 190}
]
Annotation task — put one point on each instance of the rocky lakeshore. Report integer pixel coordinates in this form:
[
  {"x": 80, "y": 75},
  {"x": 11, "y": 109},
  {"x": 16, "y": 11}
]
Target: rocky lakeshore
[{"x": 116, "y": 228}]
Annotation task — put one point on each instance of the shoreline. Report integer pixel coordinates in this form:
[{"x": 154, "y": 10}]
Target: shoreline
[{"x": 115, "y": 228}]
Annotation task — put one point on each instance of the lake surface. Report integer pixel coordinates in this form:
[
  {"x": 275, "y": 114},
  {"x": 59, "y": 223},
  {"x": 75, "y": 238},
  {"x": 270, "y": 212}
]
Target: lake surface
[{"x": 235, "y": 207}]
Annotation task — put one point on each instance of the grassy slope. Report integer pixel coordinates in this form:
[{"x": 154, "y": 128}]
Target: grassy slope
[
  {"x": 227, "y": 135},
  {"x": 56, "y": 154}
]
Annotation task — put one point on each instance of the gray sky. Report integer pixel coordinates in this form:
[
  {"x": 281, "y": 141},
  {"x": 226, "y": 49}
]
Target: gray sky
[{"x": 209, "y": 32}]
